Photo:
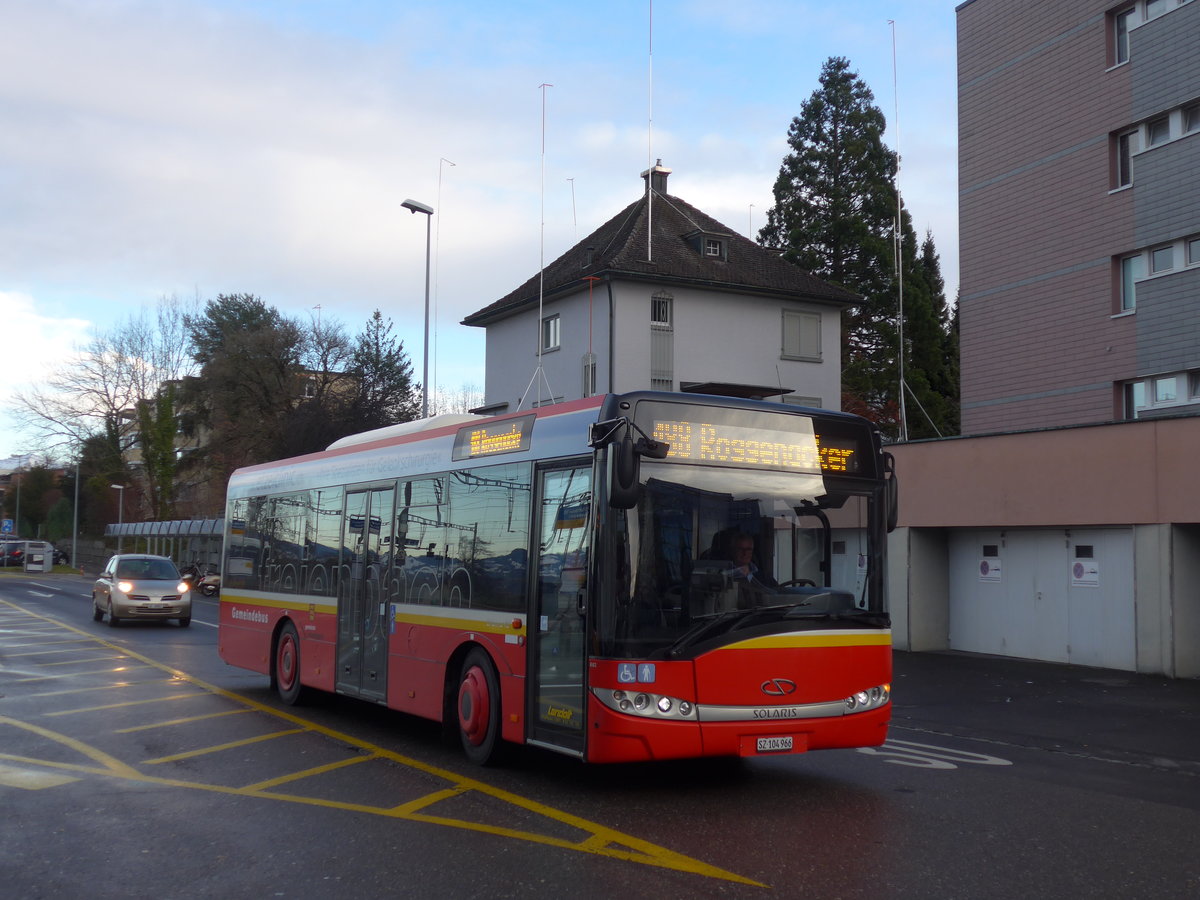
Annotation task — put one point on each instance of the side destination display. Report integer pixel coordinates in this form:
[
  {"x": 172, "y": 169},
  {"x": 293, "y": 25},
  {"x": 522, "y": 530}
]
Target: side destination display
[{"x": 493, "y": 438}]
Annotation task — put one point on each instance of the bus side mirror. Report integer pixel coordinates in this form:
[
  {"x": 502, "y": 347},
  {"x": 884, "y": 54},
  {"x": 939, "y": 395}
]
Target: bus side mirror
[
  {"x": 624, "y": 473},
  {"x": 891, "y": 490}
]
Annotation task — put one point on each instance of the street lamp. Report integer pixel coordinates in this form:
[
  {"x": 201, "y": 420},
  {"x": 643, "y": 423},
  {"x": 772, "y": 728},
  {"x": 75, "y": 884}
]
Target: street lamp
[
  {"x": 120, "y": 488},
  {"x": 415, "y": 207}
]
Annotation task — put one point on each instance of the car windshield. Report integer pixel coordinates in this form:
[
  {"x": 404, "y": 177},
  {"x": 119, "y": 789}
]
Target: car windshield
[{"x": 147, "y": 570}]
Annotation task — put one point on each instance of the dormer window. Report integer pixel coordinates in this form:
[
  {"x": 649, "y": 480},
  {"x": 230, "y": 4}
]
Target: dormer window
[{"x": 708, "y": 244}]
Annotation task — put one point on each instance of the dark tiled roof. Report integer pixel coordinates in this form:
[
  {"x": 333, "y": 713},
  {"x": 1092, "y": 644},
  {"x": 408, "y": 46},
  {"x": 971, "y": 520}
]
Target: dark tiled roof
[{"x": 617, "y": 250}]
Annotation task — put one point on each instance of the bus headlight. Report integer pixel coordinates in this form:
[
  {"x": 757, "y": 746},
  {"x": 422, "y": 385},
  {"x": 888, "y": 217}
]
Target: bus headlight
[
  {"x": 650, "y": 706},
  {"x": 872, "y": 698}
]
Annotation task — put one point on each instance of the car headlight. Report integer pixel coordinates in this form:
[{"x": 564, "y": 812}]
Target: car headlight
[
  {"x": 182, "y": 587},
  {"x": 124, "y": 586}
]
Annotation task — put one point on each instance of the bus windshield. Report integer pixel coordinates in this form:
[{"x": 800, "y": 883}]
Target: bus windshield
[{"x": 708, "y": 548}]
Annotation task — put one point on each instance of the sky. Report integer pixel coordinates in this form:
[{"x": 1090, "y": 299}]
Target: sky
[{"x": 191, "y": 148}]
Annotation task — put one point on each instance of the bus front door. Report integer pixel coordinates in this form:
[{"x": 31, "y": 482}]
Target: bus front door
[
  {"x": 557, "y": 664},
  {"x": 363, "y": 625}
]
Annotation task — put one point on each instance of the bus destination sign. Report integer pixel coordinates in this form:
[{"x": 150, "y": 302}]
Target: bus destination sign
[
  {"x": 493, "y": 438},
  {"x": 761, "y": 448}
]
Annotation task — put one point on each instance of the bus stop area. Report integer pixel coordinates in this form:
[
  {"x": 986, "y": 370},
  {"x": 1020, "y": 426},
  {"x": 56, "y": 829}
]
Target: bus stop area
[{"x": 187, "y": 541}]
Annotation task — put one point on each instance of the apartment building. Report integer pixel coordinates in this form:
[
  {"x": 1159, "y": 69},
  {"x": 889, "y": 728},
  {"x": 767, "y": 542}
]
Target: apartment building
[
  {"x": 1065, "y": 524},
  {"x": 1079, "y": 148}
]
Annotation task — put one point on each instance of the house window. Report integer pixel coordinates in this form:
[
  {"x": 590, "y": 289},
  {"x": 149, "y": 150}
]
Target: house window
[
  {"x": 1162, "y": 259},
  {"x": 589, "y": 374},
  {"x": 1158, "y": 131},
  {"x": 660, "y": 311},
  {"x": 796, "y": 400},
  {"x": 1155, "y": 8},
  {"x": 713, "y": 248},
  {"x": 1135, "y": 398},
  {"x": 662, "y": 342},
  {"x": 1125, "y": 146},
  {"x": 1191, "y": 117},
  {"x": 1122, "y": 22},
  {"x": 1193, "y": 250},
  {"x": 801, "y": 335},
  {"x": 1085, "y": 551},
  {"x": 551, "y": 335},
  {"x": 1133, "y": 268},
  {"x": 1165, "y": 390}
]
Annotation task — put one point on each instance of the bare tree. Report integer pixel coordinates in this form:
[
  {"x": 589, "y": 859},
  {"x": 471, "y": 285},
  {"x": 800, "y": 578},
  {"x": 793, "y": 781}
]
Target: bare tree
[{"x": 99, "y": 391}]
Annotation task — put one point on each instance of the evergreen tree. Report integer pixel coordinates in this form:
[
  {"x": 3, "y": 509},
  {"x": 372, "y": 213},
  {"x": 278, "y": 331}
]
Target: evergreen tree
[
  {"x": 834, "y": 215},
  {"x": 250, "y": 378},
  {"x": 930, "y": 367},
  {"x": 385, "y": 393}
]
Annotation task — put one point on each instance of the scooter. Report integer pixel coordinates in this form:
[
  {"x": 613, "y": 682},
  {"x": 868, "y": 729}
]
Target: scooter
[{"x": 210, "y": 584}]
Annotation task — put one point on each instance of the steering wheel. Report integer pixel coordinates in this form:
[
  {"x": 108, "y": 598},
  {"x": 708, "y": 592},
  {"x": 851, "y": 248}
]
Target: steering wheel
[{"x": 801, "y": 582}]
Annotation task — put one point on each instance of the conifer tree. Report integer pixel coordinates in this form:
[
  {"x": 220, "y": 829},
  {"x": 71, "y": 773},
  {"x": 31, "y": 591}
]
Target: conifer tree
[{"x": 835, "y": 214}]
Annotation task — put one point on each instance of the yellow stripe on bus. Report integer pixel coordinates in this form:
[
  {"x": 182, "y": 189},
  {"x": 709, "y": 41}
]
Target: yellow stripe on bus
[
  {"x": 815, "y": 639},
  {"x": 443, "y": 617}
]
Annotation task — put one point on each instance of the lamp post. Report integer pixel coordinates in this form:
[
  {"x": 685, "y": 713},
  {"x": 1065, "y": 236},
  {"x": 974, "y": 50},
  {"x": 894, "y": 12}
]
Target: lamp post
[
  {"x": 415, "y": 207},
  {"x": 120, "y": 489}
]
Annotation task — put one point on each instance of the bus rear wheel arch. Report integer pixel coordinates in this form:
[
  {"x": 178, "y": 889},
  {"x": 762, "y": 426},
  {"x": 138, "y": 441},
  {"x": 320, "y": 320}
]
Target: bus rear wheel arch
[{"x": 477, "y": 708}]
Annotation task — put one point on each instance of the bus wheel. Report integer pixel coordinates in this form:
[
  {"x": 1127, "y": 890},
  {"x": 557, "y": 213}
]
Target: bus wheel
[
  {"x": 287, "y": 665},
  {"x": 479, "y": 708}
]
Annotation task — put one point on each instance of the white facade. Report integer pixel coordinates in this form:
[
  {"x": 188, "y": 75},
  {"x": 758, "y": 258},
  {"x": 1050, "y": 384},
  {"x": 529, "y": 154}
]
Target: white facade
[{"x": 713, "y": 336}]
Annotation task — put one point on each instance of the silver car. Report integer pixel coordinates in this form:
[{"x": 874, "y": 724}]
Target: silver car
[{"x": 140, "y": 586}]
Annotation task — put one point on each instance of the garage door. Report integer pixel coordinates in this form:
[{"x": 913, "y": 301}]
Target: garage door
[{"x": 1054, "y": 595}]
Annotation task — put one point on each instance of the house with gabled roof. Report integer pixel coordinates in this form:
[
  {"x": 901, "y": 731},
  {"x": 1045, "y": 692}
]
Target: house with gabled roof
[{"x": 664, "y": 296}]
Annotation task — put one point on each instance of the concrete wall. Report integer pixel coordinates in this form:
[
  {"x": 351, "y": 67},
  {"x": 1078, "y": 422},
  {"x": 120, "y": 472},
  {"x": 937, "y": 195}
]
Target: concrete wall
[{"x": 1138, "y": 474}]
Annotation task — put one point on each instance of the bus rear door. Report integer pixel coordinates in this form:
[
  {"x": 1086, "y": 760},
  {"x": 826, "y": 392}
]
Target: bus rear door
[{"x": 363, "y": 625}]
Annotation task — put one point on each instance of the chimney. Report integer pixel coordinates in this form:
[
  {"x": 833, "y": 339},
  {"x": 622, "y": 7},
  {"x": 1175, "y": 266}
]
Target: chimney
[{"x": 658, "y": 177}]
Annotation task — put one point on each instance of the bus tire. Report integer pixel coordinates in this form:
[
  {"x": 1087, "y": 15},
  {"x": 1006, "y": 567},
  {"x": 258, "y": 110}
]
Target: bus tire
[
  {"x": 285, "y": 671},
  {"x": 478, "y": 708}
]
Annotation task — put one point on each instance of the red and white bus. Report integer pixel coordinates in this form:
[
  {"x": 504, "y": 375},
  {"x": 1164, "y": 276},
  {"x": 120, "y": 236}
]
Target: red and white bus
[{"x": 627, "y": 577}]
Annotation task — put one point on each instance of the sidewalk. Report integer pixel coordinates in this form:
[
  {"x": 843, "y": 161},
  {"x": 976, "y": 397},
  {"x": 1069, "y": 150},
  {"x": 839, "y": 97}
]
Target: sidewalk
[{"x": 1049, "y": 704}]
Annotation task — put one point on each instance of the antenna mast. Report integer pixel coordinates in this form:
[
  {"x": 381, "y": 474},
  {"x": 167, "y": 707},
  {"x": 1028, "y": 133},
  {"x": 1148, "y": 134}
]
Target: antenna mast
[
  {"x": 650, "y": 138},
  {"x": 899, "y": 244},
  {"x": 539, "y": 371},
  {"x": 437, "y": 246}
]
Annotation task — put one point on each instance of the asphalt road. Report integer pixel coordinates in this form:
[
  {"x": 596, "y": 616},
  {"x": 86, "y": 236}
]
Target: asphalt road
[{"x": 134, "y": 763}]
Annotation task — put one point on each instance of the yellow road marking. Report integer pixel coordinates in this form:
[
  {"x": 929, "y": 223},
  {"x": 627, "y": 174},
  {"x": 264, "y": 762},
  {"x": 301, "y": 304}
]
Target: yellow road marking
[
  {"x": 204, "y": 751},
  {"x": 184, "y": 721},
  {"x": 599, "y": 840},
  {"x": 88, "y": 709},
  {"x": 307, "y": 773}
]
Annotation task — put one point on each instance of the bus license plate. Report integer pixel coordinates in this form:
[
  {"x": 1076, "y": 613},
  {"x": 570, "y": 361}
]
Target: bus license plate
[{"x": 774, "y": 744}]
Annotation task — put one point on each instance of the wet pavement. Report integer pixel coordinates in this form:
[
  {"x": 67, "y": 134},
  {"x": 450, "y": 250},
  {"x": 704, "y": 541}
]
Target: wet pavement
[{"x": 1073, "y": 709}]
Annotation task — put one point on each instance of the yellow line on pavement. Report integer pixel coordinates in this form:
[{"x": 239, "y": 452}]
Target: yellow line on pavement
[
  {"x": 307, "y": 773},
  {"x": 600, "y": 841},
  {"x": 144, "y": 702},
  {"x": 184, "y": 721},
  {"x": 204, "y": 751}
]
